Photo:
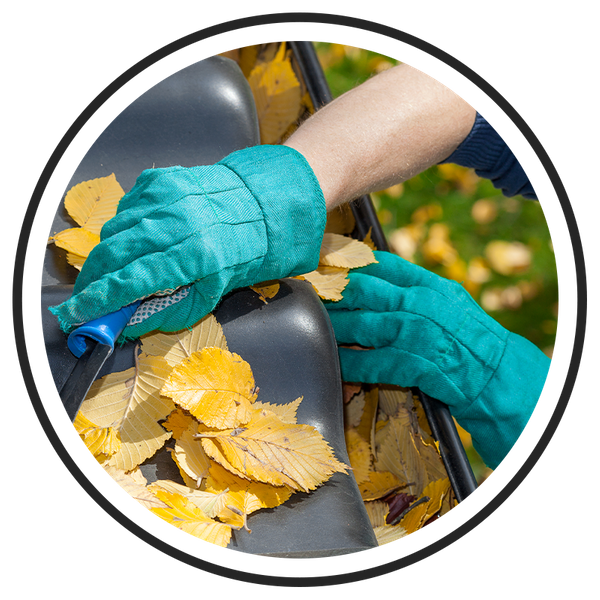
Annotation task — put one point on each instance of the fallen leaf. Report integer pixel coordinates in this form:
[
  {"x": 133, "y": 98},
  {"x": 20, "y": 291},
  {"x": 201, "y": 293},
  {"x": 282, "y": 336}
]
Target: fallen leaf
[
  {"x": 508, "y": 258},
  {"x": 179, "y": 345},
  {"x": 399, "y": 454},
  {"x": 189, "y": 456},
  {"x": 185, "y": 515},
  {"x": 277, "y": 95},
  {"x": 215, "y": 385},
  {"x": 270, "y": 451},
  {"x": 389, "y": 533},
  {"x": 92, "y": 203},
  {"x": 341, "y": 251},
  {"x": 329, "y": 282},
  {"x": 286, "y": 412},
  {"x": 102, "y": 442},
  {"x": 130, "y": 402},
  {"x": 379, "y": 485},
  {"x": 266, "y": 290},
  {"x": 135, "y": 484},
  {"x": 359, "y": 453},
  {"x": 243, "y": 497},
  {"x": 210, "y": 503}
]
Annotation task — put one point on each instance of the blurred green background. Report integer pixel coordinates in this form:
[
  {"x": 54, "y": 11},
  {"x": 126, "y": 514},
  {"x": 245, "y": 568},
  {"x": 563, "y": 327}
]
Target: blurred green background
[{"x": 458, "y": 225}]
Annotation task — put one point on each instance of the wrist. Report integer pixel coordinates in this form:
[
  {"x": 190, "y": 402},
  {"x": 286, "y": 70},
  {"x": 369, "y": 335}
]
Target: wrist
[{"x": 291, "y": 200}]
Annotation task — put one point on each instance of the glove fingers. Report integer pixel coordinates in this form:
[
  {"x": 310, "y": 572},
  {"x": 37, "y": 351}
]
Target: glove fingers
[
  {"x": 400, "y": 330},
  {"x": 394, "y": 366}
]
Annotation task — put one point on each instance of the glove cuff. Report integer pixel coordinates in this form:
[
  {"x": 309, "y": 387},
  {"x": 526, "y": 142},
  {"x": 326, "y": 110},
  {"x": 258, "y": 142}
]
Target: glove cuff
[
  {"x": 499, "y": 414},
  {"x": 291, "y": 200}
]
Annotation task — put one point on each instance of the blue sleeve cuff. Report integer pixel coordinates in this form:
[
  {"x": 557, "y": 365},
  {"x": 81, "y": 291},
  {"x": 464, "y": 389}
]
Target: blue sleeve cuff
[{"x": 486, "y": 152}]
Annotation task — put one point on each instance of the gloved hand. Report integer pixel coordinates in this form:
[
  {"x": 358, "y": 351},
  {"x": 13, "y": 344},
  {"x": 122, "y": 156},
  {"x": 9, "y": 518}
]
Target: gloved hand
[
  {"x": 426, "y": 331},
  {"x": 258, "y": 214}
]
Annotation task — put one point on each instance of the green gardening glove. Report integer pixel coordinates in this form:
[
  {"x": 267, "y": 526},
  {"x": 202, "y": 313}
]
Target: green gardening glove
[
  {"x": 424, "y": 331},
  {"x": 187, "y": 236}
]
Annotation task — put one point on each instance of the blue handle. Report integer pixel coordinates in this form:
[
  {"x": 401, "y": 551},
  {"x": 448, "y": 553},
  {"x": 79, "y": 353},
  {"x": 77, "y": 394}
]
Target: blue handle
[{"x": 104, "y": 330}]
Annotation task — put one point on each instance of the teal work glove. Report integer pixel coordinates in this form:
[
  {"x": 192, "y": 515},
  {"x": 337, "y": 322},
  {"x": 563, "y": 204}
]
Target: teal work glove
[
  {"x": 424, "y": 331},
  {"x": 192, "y": 235}
]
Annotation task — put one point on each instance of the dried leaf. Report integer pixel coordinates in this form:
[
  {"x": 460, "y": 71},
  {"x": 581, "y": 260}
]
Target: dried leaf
[
  {"x": 341, "y": 251},
  {"x": 379, "y": 485},
  {"x": 177, "y": 346},
  {"x": 189, "y": 456},
  {"x": 329, "y": 282},
  {"x": 266, "y": 290},
  {"x": 377, "y": 512},
  {"x": 389, "y": 533},
  {"x": 243, "y": 497},
  {"x": 366, "y": 427},
  {"x": 102, "y": 442},
  {"x": 277, "y": 95},
  {"x": 508, "y": 258},
  {"x": 215, "y": 385},
  {"x": 134, "y": 483},
  {"x": 185, "y": 515},
  {"x": 286, "y": 412},
  {"x": 130, "y": 402},
  {"x": 268, "y": 450},
  {"x": 210, "y": 503},
  {"x": 399, "y": 454},
  {"x": 92, "y": 203},
  {"x": 429, "y": 504},
  {"x": 76, "y": 240},
  {"x": 359, "y": 453},
  {"x": 340, "y": 220}
]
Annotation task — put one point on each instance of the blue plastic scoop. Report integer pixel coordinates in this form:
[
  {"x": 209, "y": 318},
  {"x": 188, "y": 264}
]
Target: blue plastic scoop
[{"x": 92, "y": 343}]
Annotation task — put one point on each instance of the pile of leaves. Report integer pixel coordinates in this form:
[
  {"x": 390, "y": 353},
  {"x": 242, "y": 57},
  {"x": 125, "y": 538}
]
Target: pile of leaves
[
  {"x": 235, "y": 454},
  {"x": 188, "y": 392}
]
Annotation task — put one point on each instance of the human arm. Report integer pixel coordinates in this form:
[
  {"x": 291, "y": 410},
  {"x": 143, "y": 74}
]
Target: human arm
[{"x": 383, "y": 132}]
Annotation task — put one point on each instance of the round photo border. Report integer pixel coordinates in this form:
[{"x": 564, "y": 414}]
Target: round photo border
[{"x": 26, "y": 262}]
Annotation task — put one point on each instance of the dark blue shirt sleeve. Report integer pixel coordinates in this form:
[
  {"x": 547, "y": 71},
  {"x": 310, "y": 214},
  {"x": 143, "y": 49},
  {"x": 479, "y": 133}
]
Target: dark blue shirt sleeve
[{"x": 486, "y": 152}]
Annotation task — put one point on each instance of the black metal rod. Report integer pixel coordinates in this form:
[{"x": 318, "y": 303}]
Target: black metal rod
[{"x": 438, "y": 415}]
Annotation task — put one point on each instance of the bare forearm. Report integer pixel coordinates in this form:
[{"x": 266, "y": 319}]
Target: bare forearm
[{"x": 383, "y": 132}]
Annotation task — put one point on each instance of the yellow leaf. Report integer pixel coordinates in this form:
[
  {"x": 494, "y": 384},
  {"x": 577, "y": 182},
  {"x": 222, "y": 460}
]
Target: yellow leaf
[
  {"x": 366, "y": 427},
  {"x": 329, "y": 282},
  {"x": 399, "y": 454},
  {"x": 76, "y": 241},
  {"x": 185, "y": 515},
  {"x": 379, "y": 485},
  {"x": 340, "y": 220},
  {"x": 134, "y": 483},
  {"x": 130, "y": 402},
  {"x": 277, "y": 95},
  {"x": 286, "y": 412},
  {"x": 189, "y": 455},
  {"x": 359, "y": 453},
  {"x": 378, "y": 511},
  {"x": 392, "y": 399},
  {"x": 215, "y": 385},
  {"x": 268, "y": 450},
  {"x": 266, "y": 290},
  {"x": 75, "y": 260},
  {"x": 389, "y": 533},
  {"x": 177, "y": 422},
  {"x": 368, "y": 240},
  {"x": 210, "y": 503},
  {"x": 508, "y": 258},
  {"x": 243, "y": 497},
  {"x": 341, "y": 251},
  {"x": 100, "y": 441},
  {"x": 92, "y": 203},
  {"x": 431, "y": 503},
  {"x": 179, "y": 345}
]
